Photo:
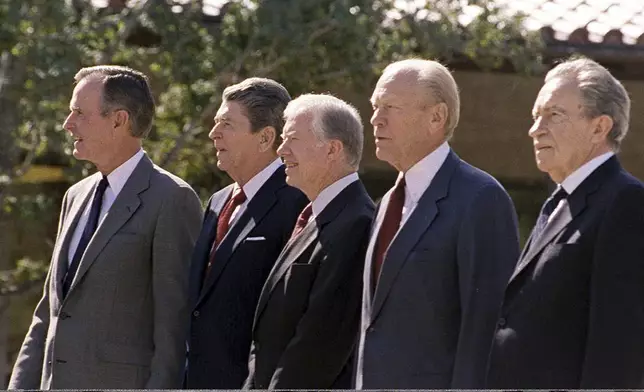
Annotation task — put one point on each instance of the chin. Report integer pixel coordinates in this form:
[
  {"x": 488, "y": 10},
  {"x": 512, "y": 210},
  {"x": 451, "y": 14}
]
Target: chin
[{"x": 221, "y": 166}]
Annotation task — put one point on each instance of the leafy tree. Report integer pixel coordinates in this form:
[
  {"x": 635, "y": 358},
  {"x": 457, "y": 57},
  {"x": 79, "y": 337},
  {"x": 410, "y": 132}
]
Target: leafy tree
[{"x": 309, "y": 45}]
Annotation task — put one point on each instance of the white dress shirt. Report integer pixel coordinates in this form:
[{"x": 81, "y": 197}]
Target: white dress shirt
[
  {"x": 116, "y": 179},
  {"x": 330, "y": 192},
  {"x": 419, "y": 177},
  {"x": 575, "y": 179},
  {"x": 252, "y": 187},
  {"x": 578, "y": 176}
]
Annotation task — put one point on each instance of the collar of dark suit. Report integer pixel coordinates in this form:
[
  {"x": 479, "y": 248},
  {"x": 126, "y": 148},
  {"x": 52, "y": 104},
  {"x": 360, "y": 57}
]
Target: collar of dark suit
[
  {"x": 351, "y": 192},
  {"x": 577, "y": 200},
  {"x": 274, "y": 183}
]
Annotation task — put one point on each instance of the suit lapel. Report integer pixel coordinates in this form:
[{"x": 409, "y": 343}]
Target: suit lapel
[
  {"x": 368, "y": 279},
  {"x": 570, "y": 208},
  {"x": 257, "y": 208},
  {"x": 290, "y": 254},
  {"x": 201, "y": 253},
  {"x": 294, "y": 249},
  {"x": 77, "y": 207},
  {"x": 125, "y": 205},
  {"x": 416, "y": 225}
]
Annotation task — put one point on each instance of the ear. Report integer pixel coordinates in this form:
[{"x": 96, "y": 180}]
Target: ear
[
  {"x": 120, "y": 118},
  {"x": 335, "y": 150},
  {"x": 439, "y": 114},
  {"x": 267, "y": 137},
  {"x": 602, "y": 125}
]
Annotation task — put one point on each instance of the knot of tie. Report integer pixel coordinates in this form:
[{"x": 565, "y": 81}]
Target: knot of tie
[
  {"x": 238, "y": 197},
  {"x": 553, "y": 201},
  {"x": 302, "y": 220},
  {"x": 102, "y": 185},
  {"x": 548, "y": 208}
]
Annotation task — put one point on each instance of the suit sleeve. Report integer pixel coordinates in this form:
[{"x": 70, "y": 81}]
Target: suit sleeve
[
  {"x": 175, "y": 234},
  {"x": 614, "y": 356},
  {"x": 327, "y": 331},
  {"x": 27, "y": 370},
  {"x": 487, "y": 252}
]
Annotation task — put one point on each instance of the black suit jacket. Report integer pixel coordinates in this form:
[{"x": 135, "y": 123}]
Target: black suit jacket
[
  {"x": 573, "y": 314},
  {"x": 223, "y": 310},
  {"x": 307, "y": 318}
]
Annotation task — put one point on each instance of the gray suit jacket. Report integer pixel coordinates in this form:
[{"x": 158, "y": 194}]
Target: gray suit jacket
[
  {"x": 430, "y": 321},
  {"x": 122, "y": 324}
]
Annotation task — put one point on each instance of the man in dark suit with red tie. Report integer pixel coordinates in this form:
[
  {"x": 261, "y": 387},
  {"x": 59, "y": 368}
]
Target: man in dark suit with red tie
[
  {"x": 307, "y": 318},
  {"x": 573, "y": 312},
  {"x": 244, "y": 229},
  {"x": 443, "y": 244}
]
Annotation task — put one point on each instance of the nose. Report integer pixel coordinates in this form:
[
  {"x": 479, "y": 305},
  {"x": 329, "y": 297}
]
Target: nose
[
  {"x": 67, "y": 125},
  {"x": 282, "y": 150},
  {"x": 377, "y": 118},
  {"x": 537, "y": 128},
  {"x": 215, "y": 132}
]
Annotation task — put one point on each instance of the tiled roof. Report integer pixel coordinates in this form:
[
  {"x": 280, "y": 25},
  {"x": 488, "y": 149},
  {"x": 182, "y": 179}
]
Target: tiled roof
[{"x": 611, "y": 22}]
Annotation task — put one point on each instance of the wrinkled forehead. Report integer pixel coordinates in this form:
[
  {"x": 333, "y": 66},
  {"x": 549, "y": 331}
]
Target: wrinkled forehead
[
  {"x": 298, "y": 122},
  {"x": 88, "y": 91},
  {"x": 558, "y": 92},
  {"x": 402, "y": 84}
]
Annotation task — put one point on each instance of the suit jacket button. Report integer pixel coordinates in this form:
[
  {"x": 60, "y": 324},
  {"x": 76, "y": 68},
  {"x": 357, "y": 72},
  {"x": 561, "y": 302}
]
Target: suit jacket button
[
  {"x": 502, "y": 322},
  {"x": 370, "y": 329},
  {"x": 195, "y": 313},
  {"x": 63, "y": 316}
]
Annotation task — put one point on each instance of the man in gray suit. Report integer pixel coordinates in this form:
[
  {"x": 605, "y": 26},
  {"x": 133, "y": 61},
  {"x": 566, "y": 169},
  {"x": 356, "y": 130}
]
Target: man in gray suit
[
  {"x": 114, "y": 304},
  {"x": 442, "y": 247}
]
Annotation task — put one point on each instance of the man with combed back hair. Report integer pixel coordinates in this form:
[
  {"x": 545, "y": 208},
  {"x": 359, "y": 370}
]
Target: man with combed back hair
[
  {"x": 114, "y": 304},
  {"x": 573, "y": 314},
  {"x": 306, "y": 321},
  {"x": 246, "y": 226},
  {"x": 443, "y": 244}
]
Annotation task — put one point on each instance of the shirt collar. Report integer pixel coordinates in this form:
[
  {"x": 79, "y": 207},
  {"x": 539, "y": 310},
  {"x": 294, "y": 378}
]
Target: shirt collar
[
  {"x": 252, "y": 186},
  {"x": 119, "y": 176},
  {"x": 578, "y": 176},
  {"x": 419, "y": 176},
  {"x": 331, "y": 191}
]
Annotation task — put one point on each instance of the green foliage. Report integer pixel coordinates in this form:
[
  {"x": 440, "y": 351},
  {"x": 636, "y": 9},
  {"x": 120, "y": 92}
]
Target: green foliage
[{"x": 308, "y": 45}]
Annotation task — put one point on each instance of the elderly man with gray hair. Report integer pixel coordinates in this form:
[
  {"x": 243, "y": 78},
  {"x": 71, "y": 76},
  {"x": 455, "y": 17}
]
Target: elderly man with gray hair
[
  {"x": 573, "y": 314},
  {"x": 114, "y": 306},
  {"x": 443, "y": 244},
  {"x": 306, "y": 322}
]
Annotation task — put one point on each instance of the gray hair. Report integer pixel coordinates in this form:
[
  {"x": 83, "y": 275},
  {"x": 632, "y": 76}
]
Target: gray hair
[
  {"x": 124, "y": 89},
  {"x": 333, "y": 119},
  {"x": 601, "y": 94},
  {"x": 438, "y": 82},
  {"x": 264, "y": 101}
]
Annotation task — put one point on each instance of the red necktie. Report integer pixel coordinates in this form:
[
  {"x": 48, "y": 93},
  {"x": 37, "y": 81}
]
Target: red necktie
[
  {"x": 223, "y": 222},
  {"x": 390, "y": 225},
  {"x": 302, "y": 220}
]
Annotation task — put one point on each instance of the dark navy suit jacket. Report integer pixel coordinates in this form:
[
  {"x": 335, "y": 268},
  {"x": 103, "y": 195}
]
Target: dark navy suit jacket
[
  {"x": 428, "y": 323},
  {"x": 223, "y": 309}
]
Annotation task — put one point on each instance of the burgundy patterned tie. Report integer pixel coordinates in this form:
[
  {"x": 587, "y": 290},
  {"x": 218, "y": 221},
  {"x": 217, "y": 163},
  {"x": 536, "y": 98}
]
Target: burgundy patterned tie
[
  {"x": 223, "y": 223},
  {"x": 390, "y": 225},
  {"x": 302, "y": 220}
]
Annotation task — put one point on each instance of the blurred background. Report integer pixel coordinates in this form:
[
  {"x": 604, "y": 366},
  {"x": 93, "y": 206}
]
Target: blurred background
[{"x": 191, "y": 50}]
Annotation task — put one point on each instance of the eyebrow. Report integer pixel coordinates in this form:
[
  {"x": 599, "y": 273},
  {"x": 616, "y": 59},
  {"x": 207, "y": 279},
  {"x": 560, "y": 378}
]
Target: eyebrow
[
  {"x": 549, "y": 109},
  {"x": 222, "y": 117}
]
